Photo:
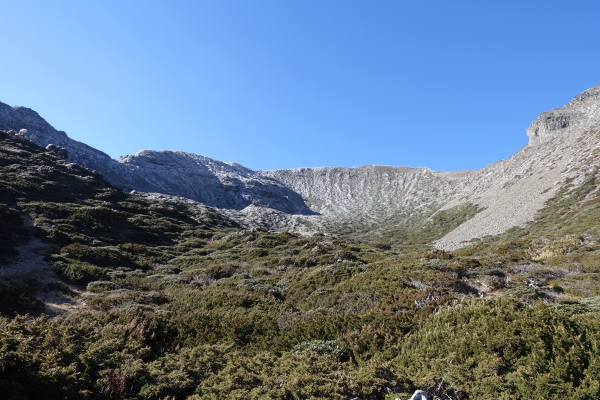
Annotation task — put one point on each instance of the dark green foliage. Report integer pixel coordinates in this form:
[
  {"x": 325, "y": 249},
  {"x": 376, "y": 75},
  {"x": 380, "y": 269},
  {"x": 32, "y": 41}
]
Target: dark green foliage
[
  {"x": 29, "y": 173},
  {"x": 488, "y": 349},
  {"x": 59, "y": 237},
  {"x": 12, "y": 232},
  {"x": 256, "y": 253},
  {"x": 415, "y": 233},
  {"x": 100, "y": 256},
  {"x": 18, "y": 298},
  {"x": 100, "y": 286},
  {"x": 526, "y": 294},
  {"x": 441, "y": 223},
  {"x": 79, "y": 272},
  {"x": 321, "y": 347},
  {"x": 182, "y": 303}
]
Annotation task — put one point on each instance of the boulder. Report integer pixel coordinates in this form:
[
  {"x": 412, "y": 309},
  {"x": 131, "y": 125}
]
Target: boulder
[
  {"x": 419, "y": 395},
  {"x": 61, "y": 151}
]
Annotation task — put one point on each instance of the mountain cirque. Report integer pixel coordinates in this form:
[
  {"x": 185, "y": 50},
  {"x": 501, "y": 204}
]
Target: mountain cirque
[{"x": 563, "y": 147}]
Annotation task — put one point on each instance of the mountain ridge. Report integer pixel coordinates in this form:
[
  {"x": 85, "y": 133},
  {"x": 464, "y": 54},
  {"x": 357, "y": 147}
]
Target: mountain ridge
[{"x": 509, "y": 192}]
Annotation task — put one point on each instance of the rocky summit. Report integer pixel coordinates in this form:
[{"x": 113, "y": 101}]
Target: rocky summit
[{"x": 562, "y": 148}]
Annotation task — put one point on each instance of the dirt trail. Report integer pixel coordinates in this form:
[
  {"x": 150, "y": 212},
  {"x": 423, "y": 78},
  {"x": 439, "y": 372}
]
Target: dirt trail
[
  {"x": 31, "y": 258},
  {"x": 30, "y": 264}
]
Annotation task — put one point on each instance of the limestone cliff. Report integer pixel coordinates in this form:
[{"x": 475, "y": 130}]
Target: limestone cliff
[{"x": 582, "y": 113}]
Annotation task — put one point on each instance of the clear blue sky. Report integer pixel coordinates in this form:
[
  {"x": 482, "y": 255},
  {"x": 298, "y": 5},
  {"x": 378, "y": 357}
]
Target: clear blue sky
[{"x": 281, "y": 84}]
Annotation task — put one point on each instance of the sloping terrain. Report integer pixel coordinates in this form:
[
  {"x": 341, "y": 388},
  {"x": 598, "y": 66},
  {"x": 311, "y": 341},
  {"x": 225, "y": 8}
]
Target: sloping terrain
[
  {"x": 161, "y": 297},
  {"x": 563, "y": 148},
  {"x": 38, "y": 130},
  {"x": 108, "y": 294},
  {"x": 212, "y": 182},
  {"x": 374, "y": 200},
  {"x": 47, "y": 202}
]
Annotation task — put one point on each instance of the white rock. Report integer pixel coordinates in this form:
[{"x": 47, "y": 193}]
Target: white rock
[{"x": 419, "y": 395}]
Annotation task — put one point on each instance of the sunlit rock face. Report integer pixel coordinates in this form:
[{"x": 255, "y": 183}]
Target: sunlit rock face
[
  {"x": 212, "y": 182},
  {"x": 419, "y": 395},
  {"x": 582, "y": 113},
  {"x": 38, "y": 130}
]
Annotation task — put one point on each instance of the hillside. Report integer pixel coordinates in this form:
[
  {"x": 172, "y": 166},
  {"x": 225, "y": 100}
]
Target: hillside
[
  {"x": 211, "y": 182},
  {"x": 113, "y": 294},
  {"x": 379, "y": 200}
]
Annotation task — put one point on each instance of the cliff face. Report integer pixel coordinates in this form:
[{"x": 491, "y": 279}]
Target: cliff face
[
  {"x": 581, "y": 114},
  {"x": 338, "y": 190},
  {"x": 563, "y": 147}
]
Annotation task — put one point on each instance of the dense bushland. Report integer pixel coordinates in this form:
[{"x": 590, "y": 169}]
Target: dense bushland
[{"x": 180, "y": 302}]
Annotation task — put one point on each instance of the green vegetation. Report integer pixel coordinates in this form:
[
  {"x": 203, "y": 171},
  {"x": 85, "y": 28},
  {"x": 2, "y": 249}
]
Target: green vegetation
[
  {"x": 412, "y": 233},
  {"x": 180, "y": 302},
  {"x": 18, "y": 297},
  {"x": 424, "y": 231}
]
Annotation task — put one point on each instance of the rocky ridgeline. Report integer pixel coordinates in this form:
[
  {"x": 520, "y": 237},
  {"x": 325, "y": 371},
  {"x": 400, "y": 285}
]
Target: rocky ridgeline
[
  {"x": 579, "y": 115},
  {"x": 214, "y": 183},
  {"x": 563, "y": 147}
]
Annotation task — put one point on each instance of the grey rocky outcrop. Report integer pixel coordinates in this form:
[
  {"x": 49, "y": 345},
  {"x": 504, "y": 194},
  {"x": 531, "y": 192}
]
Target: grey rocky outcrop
[
  {"x": 212, "y": 182},
  {"x": 61, "y": 151},
  {"x": 417, "y": 395},
  {"x": 580, "y": 114}
]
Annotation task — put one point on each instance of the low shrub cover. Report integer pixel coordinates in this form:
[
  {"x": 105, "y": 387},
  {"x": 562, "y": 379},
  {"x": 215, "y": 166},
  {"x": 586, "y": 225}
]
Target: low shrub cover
[{"x": 176, "y": 301}]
